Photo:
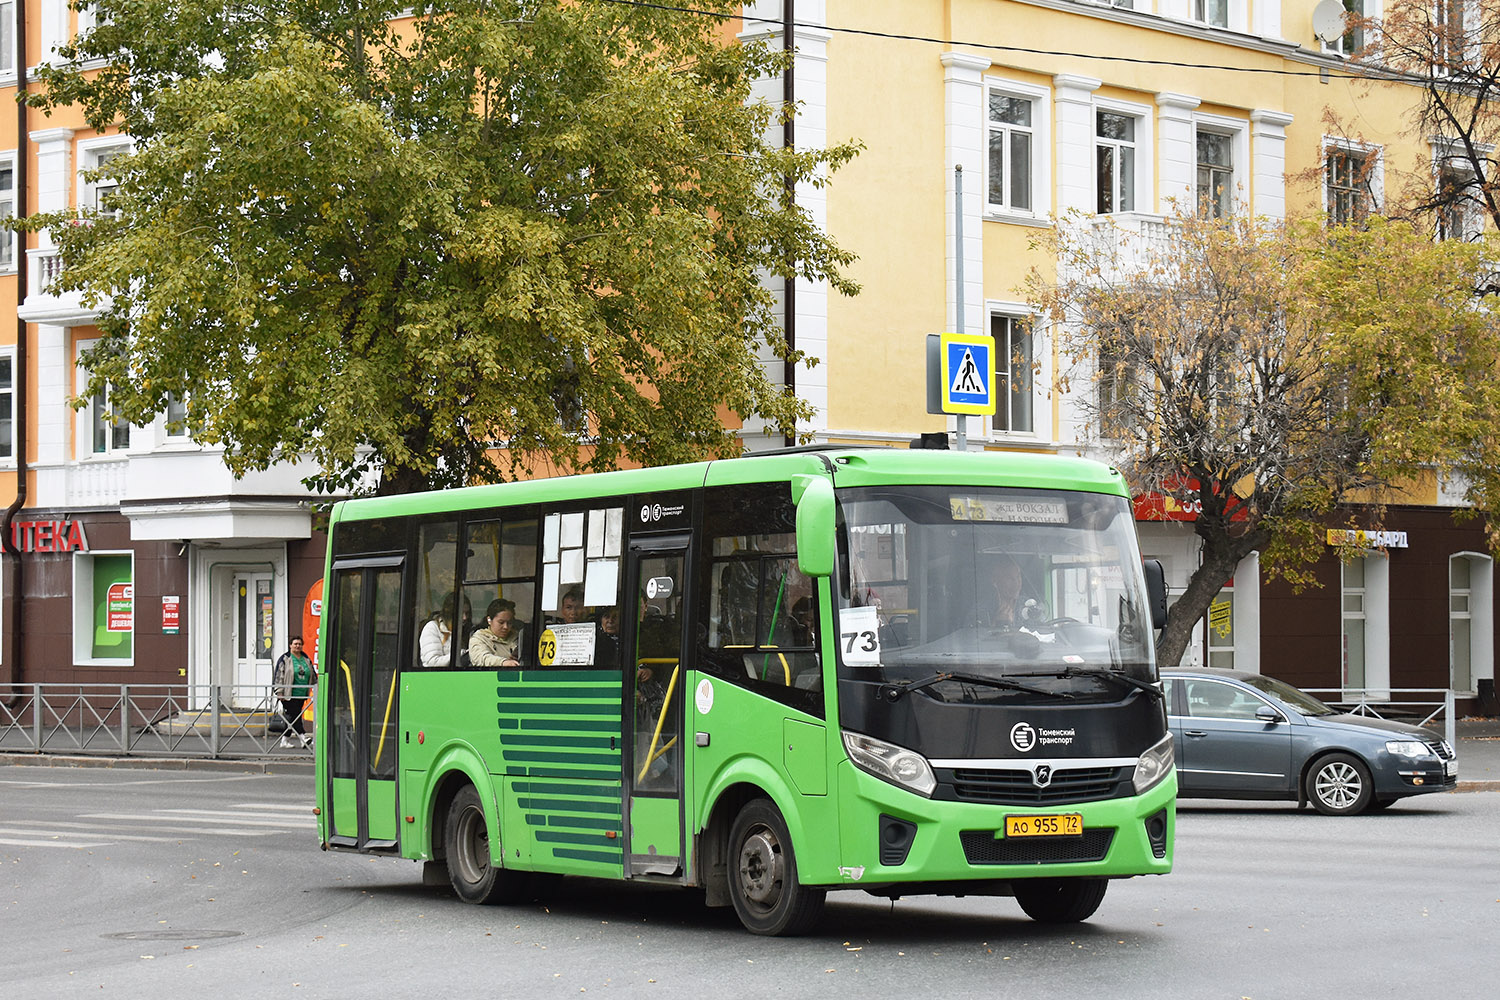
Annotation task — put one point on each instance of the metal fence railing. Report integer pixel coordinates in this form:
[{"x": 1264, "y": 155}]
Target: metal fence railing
[
  {"x": 145, "y": 720},
  {"x": 1421, "y": 706}
]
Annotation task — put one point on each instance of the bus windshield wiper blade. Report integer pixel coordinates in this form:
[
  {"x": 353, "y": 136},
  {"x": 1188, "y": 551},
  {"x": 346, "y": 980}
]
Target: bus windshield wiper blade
[
  {"x": 1113, "y": 675},
  {"x": 893, "y": 692}
]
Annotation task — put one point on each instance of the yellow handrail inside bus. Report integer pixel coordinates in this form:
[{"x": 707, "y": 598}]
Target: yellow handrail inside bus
[
  {"x": 349, "y": 684},
  {"x": 661, "y": 719},
  {"x": 385, "y": 723}
]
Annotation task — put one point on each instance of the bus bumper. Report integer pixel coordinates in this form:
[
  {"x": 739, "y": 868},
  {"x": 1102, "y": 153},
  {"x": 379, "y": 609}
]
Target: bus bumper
[{"x": 890, "y": 836}]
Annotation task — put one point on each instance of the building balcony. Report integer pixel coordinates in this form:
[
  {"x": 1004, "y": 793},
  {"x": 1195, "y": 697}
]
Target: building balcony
[
  {"x": 42, "y": 304},
  {"x": 1129, "y": 242}
]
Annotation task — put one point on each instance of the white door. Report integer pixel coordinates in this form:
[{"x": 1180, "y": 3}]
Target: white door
[{"x": 253, "y": 618}]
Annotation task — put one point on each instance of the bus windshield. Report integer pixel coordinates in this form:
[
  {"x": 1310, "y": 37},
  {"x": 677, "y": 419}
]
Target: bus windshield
[{"x": 989, "y": 582}]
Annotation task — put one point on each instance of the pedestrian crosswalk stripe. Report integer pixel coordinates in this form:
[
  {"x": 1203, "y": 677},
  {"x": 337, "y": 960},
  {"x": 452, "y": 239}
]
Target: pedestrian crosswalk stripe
[
  {"x": 41, "y": 828},
  {"x": 76, "y": 845},
  {"x": 185, "y": 816}
]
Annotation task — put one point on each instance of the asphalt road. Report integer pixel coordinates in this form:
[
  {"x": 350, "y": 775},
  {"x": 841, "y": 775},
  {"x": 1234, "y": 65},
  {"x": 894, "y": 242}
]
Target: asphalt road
[{"x": 153, "y": 883}]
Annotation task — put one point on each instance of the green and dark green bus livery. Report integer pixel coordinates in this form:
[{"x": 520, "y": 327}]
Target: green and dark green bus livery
[{"x": 904, "y": 672}]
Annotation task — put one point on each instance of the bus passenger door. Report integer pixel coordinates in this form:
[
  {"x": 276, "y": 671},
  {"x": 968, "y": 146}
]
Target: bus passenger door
[
  {"x": 361, "y": 730},
  {"x": 654, "y": 705}
]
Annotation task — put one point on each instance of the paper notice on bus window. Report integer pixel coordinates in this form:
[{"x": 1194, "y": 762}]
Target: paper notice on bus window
[
  {"x": 575, "y": 644},
  {"x": 859, "y": 636}
]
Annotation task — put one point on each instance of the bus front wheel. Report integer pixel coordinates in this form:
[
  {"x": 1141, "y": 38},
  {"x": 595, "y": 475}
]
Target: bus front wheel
[
  {"x": 474, "y": 878},
  {"x": 1060, "y": 900},
  {"x": 763, "y": 874}
]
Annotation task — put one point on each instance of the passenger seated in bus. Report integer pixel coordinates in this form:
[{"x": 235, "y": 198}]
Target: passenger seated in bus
[
  {"x": 607, "y": 641},
  {"x": 498, "y": 643},
  {"x": 572, "y": 609},
  {"x": 435, "y": 645}
]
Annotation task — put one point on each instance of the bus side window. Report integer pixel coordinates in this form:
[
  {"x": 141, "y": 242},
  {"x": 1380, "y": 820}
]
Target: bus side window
[{"x": 439, "y": 612}]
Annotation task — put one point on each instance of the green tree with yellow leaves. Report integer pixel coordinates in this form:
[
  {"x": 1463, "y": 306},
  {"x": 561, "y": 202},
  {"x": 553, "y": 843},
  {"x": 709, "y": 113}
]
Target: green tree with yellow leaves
[
  {"x": 1269, "y": 374},
  {"x": 446, "y": 242}
]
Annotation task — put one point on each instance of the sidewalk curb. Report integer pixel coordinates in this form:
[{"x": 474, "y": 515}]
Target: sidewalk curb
[{"x": 251, "y": 766}]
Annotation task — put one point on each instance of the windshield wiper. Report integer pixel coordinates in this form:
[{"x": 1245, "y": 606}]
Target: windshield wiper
[
  {"x": 893, "y": 692},
  {"x": 1114, "y": 675}
]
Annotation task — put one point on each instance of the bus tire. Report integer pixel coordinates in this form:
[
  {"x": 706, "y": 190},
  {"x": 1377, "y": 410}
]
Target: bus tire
[
  {"x": 1060, "y": 900},
  {"x": 473, "y": 877},
  {"x": 763, "y": 884}
]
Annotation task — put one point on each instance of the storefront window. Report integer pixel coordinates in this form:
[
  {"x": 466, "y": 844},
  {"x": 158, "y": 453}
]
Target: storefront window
[{"x": 103, "y": 608}]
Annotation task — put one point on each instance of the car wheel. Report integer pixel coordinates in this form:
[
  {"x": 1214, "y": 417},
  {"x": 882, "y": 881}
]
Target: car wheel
[
  {"x": 1060, "y": 900},
  {"x": 1339, "y": 785},
  {"x": 763, "y": 883}
]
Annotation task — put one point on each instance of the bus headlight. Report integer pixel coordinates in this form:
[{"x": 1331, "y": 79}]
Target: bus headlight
[
  {"x": 889, "y": 762},
  {"x": 1154, "y": 765}
]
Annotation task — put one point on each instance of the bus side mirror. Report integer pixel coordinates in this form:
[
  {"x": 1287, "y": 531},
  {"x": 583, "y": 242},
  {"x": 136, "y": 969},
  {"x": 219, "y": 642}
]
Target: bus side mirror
[
  {"x": 1156, "y": 591},
  {"x": 815, "y": 519}
]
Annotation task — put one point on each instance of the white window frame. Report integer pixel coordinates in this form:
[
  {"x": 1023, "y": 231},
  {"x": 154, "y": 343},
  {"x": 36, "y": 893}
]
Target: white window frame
[
  {"x": 1041, "y": 150},
  {"x": 8, "y": 408},
  {"x": 1375, "y": 615},
  {"x": 1238, "y": 132},
  {"x": 1472, "y": 217},
  {"x": 1479, "y": 612},
  {"x": 1145, "y": 151},
  {"x": 91, "y": 155},
  {"x": 9, "y": 241},
  {"x": 83, "y": 611},
  {"x": 84, "y": 448},
  {"x": 1352, "y": 40},
  {"x": 1017, "y": 312},
  {"x": 8, "y": 39},
  {"x": 1377, "y": 172},
  {"x": 1202, "y": 11}
]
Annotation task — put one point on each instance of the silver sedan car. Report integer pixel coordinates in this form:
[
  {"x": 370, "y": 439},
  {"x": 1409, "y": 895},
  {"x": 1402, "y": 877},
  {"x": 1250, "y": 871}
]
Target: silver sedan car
[{"x": 1246, "y": 736}]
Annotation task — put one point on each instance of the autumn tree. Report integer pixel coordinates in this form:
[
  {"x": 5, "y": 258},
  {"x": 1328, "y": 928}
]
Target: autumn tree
[
  {"x": 443, "y": 241},
  {"x": 1450, "y": 51},
  {"x": 1268, "y": 374}
]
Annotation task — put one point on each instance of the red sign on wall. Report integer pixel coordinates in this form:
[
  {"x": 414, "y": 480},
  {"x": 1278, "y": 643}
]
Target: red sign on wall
[
  {"x": 48, "y": 536},
  {"x": 170, "y": 614}
]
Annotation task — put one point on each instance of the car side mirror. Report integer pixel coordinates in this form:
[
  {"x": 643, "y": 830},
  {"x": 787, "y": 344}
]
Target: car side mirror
[
  {"x": 1269, "y": 715},
  {"x": 1156, "y": 591}
]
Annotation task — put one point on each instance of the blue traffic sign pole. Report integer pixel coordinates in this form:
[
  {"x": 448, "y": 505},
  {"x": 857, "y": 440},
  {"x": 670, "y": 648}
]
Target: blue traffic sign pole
[{"x": 962, "y": 438}]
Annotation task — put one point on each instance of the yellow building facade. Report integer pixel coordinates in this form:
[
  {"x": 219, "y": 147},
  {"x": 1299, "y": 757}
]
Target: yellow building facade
[{"x": 1049, "y": 107}]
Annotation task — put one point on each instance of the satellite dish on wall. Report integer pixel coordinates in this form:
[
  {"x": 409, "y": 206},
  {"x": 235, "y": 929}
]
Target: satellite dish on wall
[{"x": 1328, "y": 20}]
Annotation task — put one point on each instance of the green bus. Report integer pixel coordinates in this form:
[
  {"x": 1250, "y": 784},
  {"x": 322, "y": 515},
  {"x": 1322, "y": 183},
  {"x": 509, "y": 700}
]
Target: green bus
[{"x": 906, "y": 672}]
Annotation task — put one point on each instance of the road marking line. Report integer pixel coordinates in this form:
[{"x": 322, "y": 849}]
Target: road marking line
[
  {"x": 50, "y": 827},
  {"x": 177, "y": 816},
  {"x": 52, "y": 843}
]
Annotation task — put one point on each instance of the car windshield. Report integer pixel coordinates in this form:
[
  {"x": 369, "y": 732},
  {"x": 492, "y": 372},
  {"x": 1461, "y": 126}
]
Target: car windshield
[
  {"x": 1290, "y": 696},
  {"x": 990, "y": 582}
]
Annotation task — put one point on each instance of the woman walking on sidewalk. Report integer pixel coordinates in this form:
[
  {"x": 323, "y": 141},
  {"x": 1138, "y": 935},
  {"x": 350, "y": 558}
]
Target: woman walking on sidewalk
[{"x": 292, "y": 679}]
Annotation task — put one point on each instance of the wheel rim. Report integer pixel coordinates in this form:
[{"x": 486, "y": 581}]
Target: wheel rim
[
  {"x": 761, "y": 868},
  {"x": 473, "y": 843},
  {"x": 1338, "y": 785}
]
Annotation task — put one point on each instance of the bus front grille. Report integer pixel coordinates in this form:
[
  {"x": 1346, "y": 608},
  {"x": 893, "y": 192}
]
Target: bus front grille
[
  {"x": 1016, "y": 786},
  {"x": 982, "y": 847}
]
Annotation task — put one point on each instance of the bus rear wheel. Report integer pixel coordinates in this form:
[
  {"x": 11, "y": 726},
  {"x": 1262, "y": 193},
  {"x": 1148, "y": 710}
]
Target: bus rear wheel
[
  {"x": 1060, "y": 900},
  {"x": 473, "y": 877},
  {"x": 763, "y": 875}
]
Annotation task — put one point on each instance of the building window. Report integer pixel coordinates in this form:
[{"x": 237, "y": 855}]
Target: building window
[
  {"x": 1012, "y": 146},
  {"x": 1458, "y": 211},
  {"x": 1114, "y": 162},
  {"x": 1212, "y": 12},
  {"x": 1215, "y": 189},
  {"x": 7, "y": 406},
  {"x": 1450, "y": 40},
  {"x": 1350, "y": 184},
  {"x": 7, "y": 209},
  {"x": 1353, "y": 38},
  {"x": 1013, "y": 374},
  {"x": 110, "y": 433},
  {"x": 7, "y": 36},
  {"x": 1354, "y": 624},
  {"x": 1118, "y": 386},
  {"x": 103, "y": 608},
  {"x": 1221, "y": 629},
  {"x": 97, "y": 193},
  {"x": 1460, "y": 622},
  {"x": 176, "y": 416}
]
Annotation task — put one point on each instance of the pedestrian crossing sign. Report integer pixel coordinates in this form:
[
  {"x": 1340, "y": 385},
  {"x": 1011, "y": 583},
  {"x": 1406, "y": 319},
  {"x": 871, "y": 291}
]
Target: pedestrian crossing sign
[{"x": 968, "y": 374}]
